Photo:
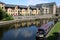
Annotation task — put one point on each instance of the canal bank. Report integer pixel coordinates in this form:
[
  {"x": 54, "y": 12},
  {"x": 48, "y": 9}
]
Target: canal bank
[
  {"x": 23, "y": 22},
  {"x": 53, "y": 34},
  {"x": 19, "y": 19}
]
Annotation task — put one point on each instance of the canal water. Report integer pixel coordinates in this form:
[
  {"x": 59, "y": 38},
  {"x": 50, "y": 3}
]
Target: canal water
[{"x": 25, "y": 33}]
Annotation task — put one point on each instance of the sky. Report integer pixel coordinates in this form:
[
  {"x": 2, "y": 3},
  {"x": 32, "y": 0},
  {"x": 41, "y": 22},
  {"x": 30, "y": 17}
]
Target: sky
[{"x": 29, "y": 2}]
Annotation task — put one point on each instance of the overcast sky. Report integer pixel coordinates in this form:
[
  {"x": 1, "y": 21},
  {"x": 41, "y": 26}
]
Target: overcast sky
[{"x": 29, "y": 2}]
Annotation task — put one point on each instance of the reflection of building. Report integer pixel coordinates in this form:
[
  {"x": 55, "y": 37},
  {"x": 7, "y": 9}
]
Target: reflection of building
[{"x": 46, "y": 8}]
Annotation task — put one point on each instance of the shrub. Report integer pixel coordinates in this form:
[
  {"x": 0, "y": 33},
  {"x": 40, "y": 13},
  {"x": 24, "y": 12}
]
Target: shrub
[{"x": 4, "y": 15}]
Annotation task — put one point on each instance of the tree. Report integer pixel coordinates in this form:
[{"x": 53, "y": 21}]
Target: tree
[{"x": 4, "y": 15}]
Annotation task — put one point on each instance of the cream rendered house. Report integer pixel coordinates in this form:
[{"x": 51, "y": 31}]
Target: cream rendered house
[
  {"x": 34, "y": 10},
  {"x": 23, "y": 10},
  {"x": 2, "y": 5},
  {"x": 11, "y": 9}
]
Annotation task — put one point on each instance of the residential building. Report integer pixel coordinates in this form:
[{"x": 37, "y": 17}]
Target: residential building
[
  {"x": 2, "y": 5},
  {"x": 58, "y": 10},
  {"x": 47, "y": 8},
  {"x": 22, "y": 10},
  {"x": 11, "y": 9}
]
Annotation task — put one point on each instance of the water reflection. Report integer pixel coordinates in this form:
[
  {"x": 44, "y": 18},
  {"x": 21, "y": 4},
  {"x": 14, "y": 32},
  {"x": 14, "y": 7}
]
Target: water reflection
[{"x": 27, "y": 33}]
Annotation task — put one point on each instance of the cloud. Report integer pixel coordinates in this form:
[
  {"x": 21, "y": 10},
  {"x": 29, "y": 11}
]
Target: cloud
[
  {"x": 26, "y": 33},
  {"x": 28, "y": 2},
  {"x": 33, "y": 2}
]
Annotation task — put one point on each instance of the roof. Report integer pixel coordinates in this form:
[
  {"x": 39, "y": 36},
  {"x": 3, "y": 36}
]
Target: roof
[
  {"x": 10, "y": 5},
  {"x": 45, "y": 4},
  {"x": 45, "y": 26},
  {"x": 32, "y": 7},
  {"x": 1, "y": 2},
  {"x": 22, "y": 6}
]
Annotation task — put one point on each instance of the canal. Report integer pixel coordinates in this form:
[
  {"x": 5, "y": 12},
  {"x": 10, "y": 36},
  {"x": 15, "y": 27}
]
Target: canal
[
  {"x": 24, "y": 33},
  {"x": 17, "y": 32}
]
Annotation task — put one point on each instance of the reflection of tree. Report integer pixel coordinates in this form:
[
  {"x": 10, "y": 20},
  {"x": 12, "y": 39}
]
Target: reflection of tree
[
  {"x": 1, "y": 33},
  {"x": 3, "y": 29}
]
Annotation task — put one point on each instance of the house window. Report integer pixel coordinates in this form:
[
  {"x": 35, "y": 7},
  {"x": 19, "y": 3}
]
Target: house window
[{"x": 46, "y": 11}]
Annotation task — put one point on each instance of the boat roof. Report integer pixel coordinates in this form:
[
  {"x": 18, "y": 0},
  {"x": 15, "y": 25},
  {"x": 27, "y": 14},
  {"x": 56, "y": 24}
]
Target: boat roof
[{"x": 45, "y": 26}]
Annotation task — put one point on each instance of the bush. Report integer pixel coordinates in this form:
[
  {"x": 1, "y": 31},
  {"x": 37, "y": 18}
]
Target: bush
[{"x": 4, "y": 15}]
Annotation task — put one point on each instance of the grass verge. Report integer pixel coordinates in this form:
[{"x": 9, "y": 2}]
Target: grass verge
[{"x": 53, "y": 34}]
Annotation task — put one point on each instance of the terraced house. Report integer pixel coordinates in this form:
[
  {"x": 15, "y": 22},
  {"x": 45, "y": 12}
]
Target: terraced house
[{"x": 38, "y": 9}]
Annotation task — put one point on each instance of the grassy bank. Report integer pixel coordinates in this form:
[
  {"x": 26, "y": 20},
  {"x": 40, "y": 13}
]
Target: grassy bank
[{"x": 54, "y": 32}]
